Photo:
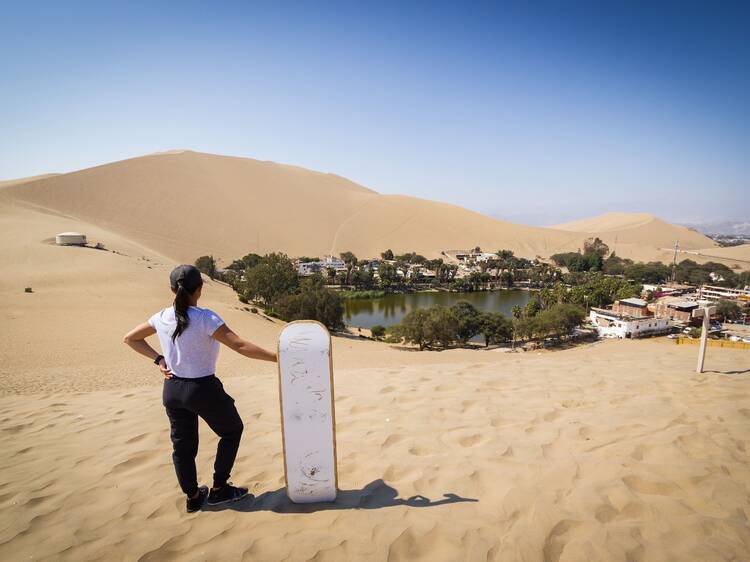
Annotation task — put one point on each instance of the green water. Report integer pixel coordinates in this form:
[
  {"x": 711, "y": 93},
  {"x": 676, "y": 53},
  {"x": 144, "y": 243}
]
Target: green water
[{"x": 390, "y": 309}]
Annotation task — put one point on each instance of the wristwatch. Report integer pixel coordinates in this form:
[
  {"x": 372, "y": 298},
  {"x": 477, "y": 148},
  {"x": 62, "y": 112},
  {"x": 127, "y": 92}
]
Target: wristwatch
[{"x": 158, "y": 359}]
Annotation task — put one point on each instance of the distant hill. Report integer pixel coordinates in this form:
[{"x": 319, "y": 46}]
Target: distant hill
[
  {"x": 622, "y": 230},
  {"x": 728, "y": 228},
  {"x": 183, "y": 204}
]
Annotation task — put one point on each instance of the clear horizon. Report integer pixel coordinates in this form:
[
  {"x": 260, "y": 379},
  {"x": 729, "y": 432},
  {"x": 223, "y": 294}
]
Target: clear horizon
[{"x": 634, "y": 107}]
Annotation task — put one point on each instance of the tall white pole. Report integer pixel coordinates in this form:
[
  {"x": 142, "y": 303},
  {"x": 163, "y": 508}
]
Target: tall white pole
[{"x": 704, "y": 338}]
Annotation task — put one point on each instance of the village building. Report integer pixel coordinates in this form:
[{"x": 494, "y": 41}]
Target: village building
[
  {"x": 631, "y": 307},
  {"x": 683, "y": 311},
  {"x": 334, "y": 263},
  {"x": 610, "y": 324},
  {"x": 313, "y": 267},
  {"x": 711, "y": 293},
  {"x": 420, "y": 271},
  {"x": 309, "y": 268}
]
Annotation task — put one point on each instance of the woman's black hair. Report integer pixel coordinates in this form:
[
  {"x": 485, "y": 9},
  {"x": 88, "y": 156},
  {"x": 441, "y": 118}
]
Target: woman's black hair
[{"x": 185, "y": 280}]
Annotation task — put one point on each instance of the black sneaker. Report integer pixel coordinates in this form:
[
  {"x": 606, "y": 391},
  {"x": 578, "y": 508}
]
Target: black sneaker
[
  {"x": 194, "y": 504},
  {"x": 227, "y": 493}
]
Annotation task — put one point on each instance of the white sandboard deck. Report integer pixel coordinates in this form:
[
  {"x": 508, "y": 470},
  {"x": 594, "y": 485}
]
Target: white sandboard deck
[{"x": 308, "y": 422}]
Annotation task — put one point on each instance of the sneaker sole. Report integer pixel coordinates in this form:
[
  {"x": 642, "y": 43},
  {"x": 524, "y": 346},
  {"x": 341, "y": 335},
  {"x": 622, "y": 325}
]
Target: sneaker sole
[{"x": 242, "y": 497}]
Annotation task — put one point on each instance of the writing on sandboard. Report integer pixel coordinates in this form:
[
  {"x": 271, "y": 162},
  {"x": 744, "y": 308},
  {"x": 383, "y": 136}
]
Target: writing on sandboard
[{"x": 299, "y": 374}]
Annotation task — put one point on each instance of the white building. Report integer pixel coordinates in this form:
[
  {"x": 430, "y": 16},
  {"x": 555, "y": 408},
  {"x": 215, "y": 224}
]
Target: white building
[
  {"x": 613, "y": 325},
  {"x": 707, "y": 292},
  {"x": 333, "y": 262},
  {"x": 70, "y": 239}
]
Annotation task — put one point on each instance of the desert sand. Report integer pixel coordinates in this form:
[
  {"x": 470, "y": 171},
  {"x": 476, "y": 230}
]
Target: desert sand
[
  {"x": 238, "y": 205},
  {"x": 609, "y": 451}
]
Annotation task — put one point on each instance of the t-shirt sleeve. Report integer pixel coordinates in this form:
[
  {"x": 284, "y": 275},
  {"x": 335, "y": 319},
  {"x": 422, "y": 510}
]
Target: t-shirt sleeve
[
  {"x": 154, "y": 320},
  {"x": 211, "y": 322}
]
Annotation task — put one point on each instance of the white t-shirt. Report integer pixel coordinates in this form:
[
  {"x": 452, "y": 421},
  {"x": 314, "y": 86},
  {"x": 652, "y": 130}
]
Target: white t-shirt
[{"x": 193, "y": 354}]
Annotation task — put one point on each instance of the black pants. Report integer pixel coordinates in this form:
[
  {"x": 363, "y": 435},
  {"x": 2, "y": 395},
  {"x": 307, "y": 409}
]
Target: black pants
[{"x": 185, "y": 400}]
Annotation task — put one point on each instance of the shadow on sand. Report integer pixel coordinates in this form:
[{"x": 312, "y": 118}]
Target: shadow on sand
[
  {"x": 375, "y": 495},
  {"x": 744, "y": 372}
]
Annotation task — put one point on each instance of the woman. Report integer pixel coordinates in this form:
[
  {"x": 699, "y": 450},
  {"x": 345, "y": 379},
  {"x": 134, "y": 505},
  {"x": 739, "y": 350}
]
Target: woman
[{"x": 189, "y": 338}]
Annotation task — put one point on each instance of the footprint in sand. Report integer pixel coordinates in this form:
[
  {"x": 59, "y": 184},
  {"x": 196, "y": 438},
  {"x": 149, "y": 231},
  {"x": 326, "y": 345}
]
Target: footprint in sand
[
  {"x": 392, "y": 440},
  {"x": 605, "y": 513},
  {"x": 419, "y": 451},
  {"x": 396, "y": 473},
  {"x": 134, "y": 462},
  {"x": 361, "y": 409},
  {"x": 470, "y": 440},
  {"x": 642, "y": 486},
  {"x": 555, "y": 542},
  {"x": 387, "y": 389},
  {"x": 551, "y": 416}
]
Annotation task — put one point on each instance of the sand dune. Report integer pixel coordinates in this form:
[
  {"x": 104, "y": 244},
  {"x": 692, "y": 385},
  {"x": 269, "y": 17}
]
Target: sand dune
[
  {"x": 20, "y": 181},
  {"x": 183, "y": 204},
  {"x": 612, "y": 451},
  {"x": 608, "y": 222},
  {"x": 84, "y": 300},
  {"x": 639, "y": 236}
]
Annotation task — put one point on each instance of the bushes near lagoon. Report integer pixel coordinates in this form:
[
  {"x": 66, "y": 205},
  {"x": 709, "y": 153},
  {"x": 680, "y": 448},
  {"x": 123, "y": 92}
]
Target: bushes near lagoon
[{"x": 442, "y": 327}]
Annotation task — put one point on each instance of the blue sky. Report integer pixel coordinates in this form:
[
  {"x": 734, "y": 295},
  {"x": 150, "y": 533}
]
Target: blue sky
[{"x": 535, "y": 112}]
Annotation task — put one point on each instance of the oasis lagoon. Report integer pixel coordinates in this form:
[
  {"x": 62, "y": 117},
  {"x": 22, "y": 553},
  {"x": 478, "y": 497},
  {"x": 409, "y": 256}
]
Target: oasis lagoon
[{"x": 391, "y": 309}]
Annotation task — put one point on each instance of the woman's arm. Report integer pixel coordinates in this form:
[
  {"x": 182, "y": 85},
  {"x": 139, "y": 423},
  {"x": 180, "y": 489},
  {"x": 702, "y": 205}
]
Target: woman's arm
[
  {"x": 136, "y": 338},
  {"x": 226, "y": 336}
]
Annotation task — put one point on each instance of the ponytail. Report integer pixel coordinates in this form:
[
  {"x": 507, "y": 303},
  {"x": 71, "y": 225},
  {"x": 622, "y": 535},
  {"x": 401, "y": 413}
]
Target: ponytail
[
  {"x": 181, "y": 304},
  {"x": 184, "y": 281}
]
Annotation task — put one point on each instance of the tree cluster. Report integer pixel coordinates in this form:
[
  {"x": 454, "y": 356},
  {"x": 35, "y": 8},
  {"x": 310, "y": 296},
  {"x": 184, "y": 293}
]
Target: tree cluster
[
  {"x": 273, "y": 281},
  {"x": 313, "y": 301},
  {"x": 442, "y": 327},
  {"x": 556, "y": 321}
]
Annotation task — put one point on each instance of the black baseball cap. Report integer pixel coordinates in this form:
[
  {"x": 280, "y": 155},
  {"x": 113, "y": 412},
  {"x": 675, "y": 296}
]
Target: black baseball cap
[{"x": 186, "y": 275}]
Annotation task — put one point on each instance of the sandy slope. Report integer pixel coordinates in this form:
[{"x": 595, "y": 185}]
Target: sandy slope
[
  {"x": 84, "y": 300},
  {"x": 639, "y": 236},
  {"x": 183, "y": 204},
  {"x": 615, "y": 451},
  {"x": 612, "y": 452},
  {"x": 20, "y": 181}
]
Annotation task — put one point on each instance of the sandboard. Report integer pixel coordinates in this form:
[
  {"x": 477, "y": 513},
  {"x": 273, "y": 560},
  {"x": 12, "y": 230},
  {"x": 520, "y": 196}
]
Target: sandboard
[{"x": 308, "y": 422}]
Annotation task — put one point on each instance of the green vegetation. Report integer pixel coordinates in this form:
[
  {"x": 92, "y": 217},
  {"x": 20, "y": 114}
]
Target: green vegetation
[
  {"x": 207, "y": 265},
  {"x": 556, "y": 321},
  {"x": 250, "y": 260},
  {"x": 592, "y": 258},
  {"x": 728, "y": 310},
  {"x": 468, "y": 321},
  {"x": 272, "y": 281},
  {"x": 273, "y": 277},
  {"x": 441, "y": 327},
  {"x": 313, "y": 302},
  {"x": 371, "y": 294},
  {"x": 428, "y": 327},
  {"x": 378, "y": 331},
  {"x": 595, "y": 278},
  {"x": 496, "y": 328}
]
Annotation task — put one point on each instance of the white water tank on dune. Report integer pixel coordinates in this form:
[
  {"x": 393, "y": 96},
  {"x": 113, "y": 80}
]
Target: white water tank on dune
[{"x": 70, "y": 239}]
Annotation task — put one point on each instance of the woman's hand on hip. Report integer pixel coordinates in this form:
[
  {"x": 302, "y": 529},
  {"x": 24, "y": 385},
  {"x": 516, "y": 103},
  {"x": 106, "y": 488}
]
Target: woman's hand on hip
[{"x": 164, "y": 369}]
